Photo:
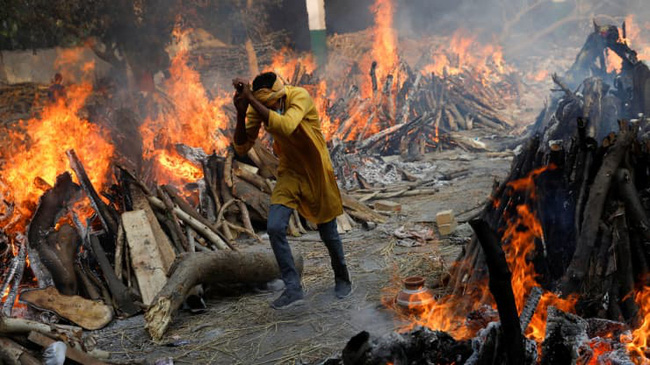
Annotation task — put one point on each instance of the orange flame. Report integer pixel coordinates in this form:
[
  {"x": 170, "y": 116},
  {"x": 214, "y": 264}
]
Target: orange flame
[
  {"x": 285, "y": 61},
  {"x": 520, "y": 235},
  {"x": 637, "y": 37},
  {"x": 195, "y": 121},
  {"x": 384, "y": 47},
  {"x": 465, "y": 52},
  {"x": 599, "y": 347},
  {"x": 38, "y": 151},
  {"x": 638, "y": 346}
]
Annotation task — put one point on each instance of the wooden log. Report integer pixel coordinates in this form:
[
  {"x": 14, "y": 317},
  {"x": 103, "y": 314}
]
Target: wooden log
[
  {"x": 169, "y": 228},
  {"x": 227, "y": 169},
  {"x": 211, "y": 181},
  {"x": 85, "y": 313},
  {"x": 563, "y": 333},
  {"x": 22, "y": 326},
  {"x": 119, "y": 250},
  {"x": 12, "y": 353},
  {"x": 205, "y": 230},
  {"x": 90, "y": 288},
  {"x": 529, "y": 309},
  {"x": 252, "y": 178},
  {"x": 577, "y": 269},
  {"x": 624, "y": 266},
  {"x": 250, "y": 266},
  {"x": 206, "y": 204},
  {"x": 65, "y": 243},
  {"x": 71, "y": 352},
  {"x": 258, "y": 201},
  {"x": 106, "y": 216},
  {"x": 360, "y": 210},
  {"x": 630, "y": 195},
  {"x": 121, "y": 298},
  {"x": 44, "y": 261},
  {"x": 182, "y": 205},
  {"x": 169, "y": 207},
  {"x": 501, "y": 288},
  {"x": 145, "y": 256},
  {"x": 93, "y": 277},
  {"x": 246, "y": 219},
  {"x": 268, "y": 163}
]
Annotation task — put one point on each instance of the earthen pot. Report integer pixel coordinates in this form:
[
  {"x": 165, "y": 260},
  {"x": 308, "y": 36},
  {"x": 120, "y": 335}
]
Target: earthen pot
[{"x": 414, "y": 296}]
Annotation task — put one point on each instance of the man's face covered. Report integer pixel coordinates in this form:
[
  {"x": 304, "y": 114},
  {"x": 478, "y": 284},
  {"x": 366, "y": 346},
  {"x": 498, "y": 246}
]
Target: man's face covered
[{"x": 272, "y": 98}]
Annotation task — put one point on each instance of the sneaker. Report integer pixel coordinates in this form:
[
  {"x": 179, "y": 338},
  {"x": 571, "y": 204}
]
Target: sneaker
[
  {"x": 343, "y": 288},
  {"x": 288, "y": 299}
]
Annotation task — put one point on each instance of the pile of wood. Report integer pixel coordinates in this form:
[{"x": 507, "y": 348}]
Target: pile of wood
[
  {"x": 411, "y": 113},
  {"x": 142, "y": 247}
]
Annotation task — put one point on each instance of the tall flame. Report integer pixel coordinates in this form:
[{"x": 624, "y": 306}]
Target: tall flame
[
  {"x": 195, "y": 121},
  {"x": 638, "y": 346},
  {"x": 38, "y": 151},
  {"x": 384, "y": 47}
]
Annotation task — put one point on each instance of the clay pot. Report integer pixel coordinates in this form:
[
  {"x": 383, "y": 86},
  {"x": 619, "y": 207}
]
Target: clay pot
[{"x": 414, "y": 296}]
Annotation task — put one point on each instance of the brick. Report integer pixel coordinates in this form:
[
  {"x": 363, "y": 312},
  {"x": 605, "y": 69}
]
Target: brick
[
  {"x": 447, "y": 229},
  {"x": 445, "y": 217}
]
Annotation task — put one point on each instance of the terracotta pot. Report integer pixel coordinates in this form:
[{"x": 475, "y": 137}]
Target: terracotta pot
[{"x": 414, "y": 296}]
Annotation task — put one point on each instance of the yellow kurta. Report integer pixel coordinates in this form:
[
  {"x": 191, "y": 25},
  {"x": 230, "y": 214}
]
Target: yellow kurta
[{"x": 306, "y": 179}]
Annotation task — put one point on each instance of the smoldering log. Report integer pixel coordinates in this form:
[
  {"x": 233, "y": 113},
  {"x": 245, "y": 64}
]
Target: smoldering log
[
  {"x": 250, "y": 266},
  {"x": 501, "y": 288},
  {"x": 64, "y": 243},
  {"x": 45, "y": 263},
  {"x": 105, "y": 214}
]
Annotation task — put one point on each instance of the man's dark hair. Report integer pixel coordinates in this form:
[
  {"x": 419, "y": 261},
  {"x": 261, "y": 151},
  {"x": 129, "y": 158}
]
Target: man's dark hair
[{"x": 265, "y": 80}]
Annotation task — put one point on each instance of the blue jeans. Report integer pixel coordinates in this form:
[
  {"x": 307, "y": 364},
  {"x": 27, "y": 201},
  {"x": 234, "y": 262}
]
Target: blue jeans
[{"x": 277, "y": 224}]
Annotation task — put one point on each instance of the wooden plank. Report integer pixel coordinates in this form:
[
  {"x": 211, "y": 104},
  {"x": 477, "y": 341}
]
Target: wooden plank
[
  {"x": 71, "y": 352},
  {"x": 164, "y": 244},
  {"x": 89, "y": 314},
  {"x": 145, "y": 256}
]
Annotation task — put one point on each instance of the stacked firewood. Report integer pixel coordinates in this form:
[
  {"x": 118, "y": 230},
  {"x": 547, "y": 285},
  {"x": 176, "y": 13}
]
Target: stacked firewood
[
  {"x": 417, "y": 113},
  {"x": 143, "y": 246}
]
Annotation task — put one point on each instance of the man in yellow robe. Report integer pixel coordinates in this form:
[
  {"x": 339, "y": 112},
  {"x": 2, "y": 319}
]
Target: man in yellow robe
[{"x": 306, "y": 180}]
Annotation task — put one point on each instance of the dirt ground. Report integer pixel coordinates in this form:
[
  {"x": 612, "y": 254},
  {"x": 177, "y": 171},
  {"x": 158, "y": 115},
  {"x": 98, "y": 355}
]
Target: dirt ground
[{"x": 239, "y": 327}]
